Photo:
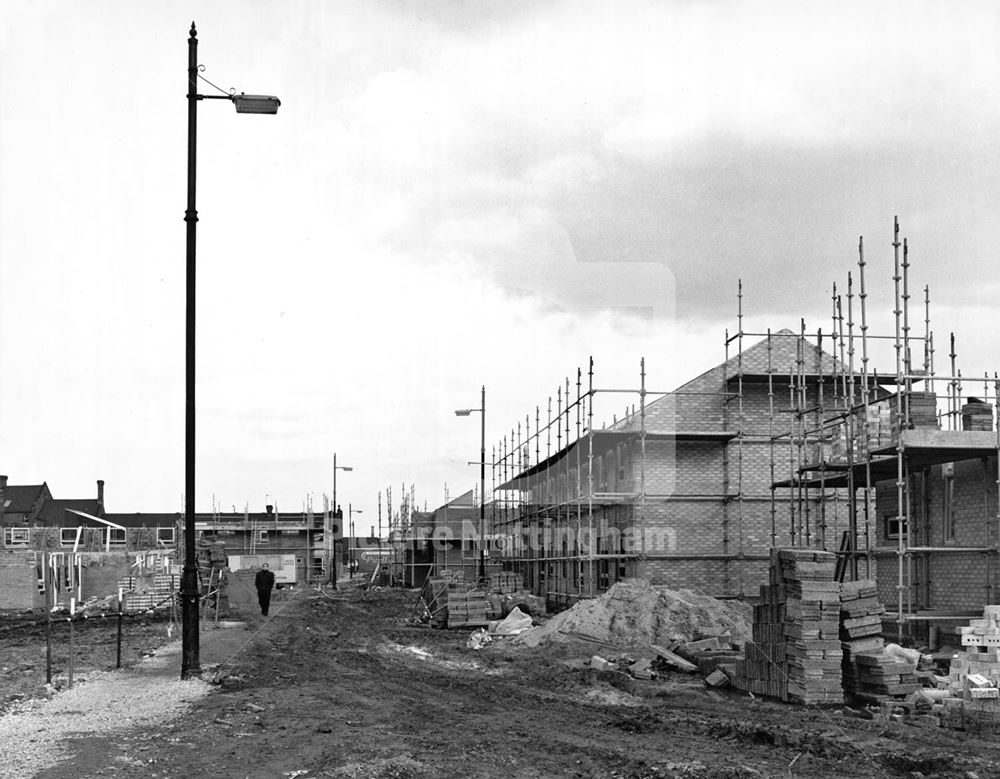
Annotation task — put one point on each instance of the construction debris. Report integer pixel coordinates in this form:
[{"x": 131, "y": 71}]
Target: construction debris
[
  {"x": 598, "y": 663},
  {"x": 513, "y": 624},
  {"x": 972, "y": 699},
  {"x": 674, "y": 661}
]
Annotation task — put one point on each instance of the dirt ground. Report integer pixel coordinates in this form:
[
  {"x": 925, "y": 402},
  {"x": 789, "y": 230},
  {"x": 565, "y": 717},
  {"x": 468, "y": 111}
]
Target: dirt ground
[{"x": 343, "y": 685}]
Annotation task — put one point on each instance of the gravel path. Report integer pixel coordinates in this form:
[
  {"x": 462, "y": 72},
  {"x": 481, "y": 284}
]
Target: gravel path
[{"x": 33, "y": 733}]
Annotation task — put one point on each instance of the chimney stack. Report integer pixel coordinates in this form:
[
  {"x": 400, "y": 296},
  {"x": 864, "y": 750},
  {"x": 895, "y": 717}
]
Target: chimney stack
[
  {"x": 3, "y": 491},
  {"x": 100, "y": 494}
]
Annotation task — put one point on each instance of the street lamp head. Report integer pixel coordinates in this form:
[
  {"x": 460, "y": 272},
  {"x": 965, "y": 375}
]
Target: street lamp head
[
  {"x": 346, "y": 468},
  {"x": 256, "y": 104},
  {"x": 463, "y": 412}
]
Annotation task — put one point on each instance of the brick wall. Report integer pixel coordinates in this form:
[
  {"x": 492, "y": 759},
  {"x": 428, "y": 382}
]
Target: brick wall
[
  {"x": 708, "y": 504},
  {"x": 943, "y": 580},
  {"x": 19, "y": 582}
]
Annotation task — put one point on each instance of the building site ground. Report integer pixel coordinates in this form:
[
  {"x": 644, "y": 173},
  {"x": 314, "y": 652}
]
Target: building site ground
[{"x": 344, "y": 684}]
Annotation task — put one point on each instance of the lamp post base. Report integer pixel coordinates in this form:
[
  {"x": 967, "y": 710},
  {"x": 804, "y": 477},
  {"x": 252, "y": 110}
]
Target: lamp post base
[{"x": 190, "y": 659}]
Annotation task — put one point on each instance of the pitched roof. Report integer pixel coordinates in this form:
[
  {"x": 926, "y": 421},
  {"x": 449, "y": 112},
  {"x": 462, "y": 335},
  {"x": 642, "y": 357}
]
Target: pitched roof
[
  {"x": 19, "y": 499},
  {"x": 688, "y": 408},
  {"x": 780, "y": 355},
  {"x": 151, "y": 519},
  {"x": 55, "y": 510}
]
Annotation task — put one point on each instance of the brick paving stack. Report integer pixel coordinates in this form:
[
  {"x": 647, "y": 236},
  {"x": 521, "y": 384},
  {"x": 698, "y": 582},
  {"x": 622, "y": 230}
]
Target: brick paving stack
[
  {"x": 436, "y": 596},
  {"x": 860, "y": 630},
  {"x": 796, "y": 652},
  {"x": 883, "y": 677},
  {"x": 923, "y": 408},
  {"x": 466, "y": 609},
  {"x": 977, "y": 415},
  {"x": 879, "y": 427},
  {"x": 505, "y": 582}
]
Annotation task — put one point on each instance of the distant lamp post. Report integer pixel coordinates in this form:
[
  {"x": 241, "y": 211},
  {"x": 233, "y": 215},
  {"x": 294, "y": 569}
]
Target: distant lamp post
[
  {"x": 351, "y": 511},
  {"x": 464, "y": 412},
  {"x": 257, "y": 104},
  {"x": 333, "y": 517}
]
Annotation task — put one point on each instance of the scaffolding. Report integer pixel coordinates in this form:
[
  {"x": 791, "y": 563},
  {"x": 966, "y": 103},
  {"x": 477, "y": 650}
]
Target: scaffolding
[
  {"x": 867, "y": 445},
  {"x": 579, "y": 508},
  {"x": 576, "y": 506}
]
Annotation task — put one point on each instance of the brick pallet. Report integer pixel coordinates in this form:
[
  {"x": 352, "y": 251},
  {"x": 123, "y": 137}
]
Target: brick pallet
[
  {"x": 861, "y": 640},
  {"x": 796, "y": 654},
  {"x": 442, "y": 594},
  {"x": 505, "y": 582},
  {"x": 466, "y": 608}
]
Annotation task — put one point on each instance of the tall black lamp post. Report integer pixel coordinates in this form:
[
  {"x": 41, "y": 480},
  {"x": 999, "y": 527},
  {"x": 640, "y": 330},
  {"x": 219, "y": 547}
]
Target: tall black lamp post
[
  {"x": 464, "y": 412},
  {"x": 245, "y": 104}
]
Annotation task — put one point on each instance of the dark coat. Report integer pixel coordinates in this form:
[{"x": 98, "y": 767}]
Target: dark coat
[{"x": 264, "y": 580}]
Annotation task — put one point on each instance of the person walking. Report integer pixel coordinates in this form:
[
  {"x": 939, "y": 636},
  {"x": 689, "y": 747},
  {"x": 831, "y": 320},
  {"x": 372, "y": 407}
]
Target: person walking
[{"x": 264, "y": 582}]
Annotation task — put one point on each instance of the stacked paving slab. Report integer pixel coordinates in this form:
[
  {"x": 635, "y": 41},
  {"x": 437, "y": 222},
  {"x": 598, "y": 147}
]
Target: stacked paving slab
[
  {"x": 796, "y": 651},
  {"x": 466, "y": 608},
  {"x": 860, "y": 631}
]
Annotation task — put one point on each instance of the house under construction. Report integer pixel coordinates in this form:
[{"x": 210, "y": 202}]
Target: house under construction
[{"x": 794, "y": 440}]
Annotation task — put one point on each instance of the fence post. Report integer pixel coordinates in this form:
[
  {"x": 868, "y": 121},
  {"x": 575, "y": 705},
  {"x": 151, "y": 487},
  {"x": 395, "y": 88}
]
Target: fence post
[{"x": 118, "y": 661}]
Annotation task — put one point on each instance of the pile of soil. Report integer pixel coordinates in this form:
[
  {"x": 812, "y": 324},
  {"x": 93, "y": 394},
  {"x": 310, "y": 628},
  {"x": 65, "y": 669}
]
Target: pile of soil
[{"x": 633, "y": 613}]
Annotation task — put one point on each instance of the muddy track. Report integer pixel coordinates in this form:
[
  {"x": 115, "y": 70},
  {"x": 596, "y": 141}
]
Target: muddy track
[{"x": 343, "y": 687}]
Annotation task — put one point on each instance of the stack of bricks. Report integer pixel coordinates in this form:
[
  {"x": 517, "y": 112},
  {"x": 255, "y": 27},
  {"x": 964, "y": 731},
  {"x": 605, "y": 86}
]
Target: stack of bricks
[
  {"x": 761, "y": 672},
  {"x": 796, "y": 653},
  {"x": 922, "y": 408},
  {"x": 977, "y": 415},
  {"x": 878, "y": 426},
  {"x": 882, "y": 677},
  {"x": 505, "y": 582},
  {"x": 860, "y": 630},
  {"x": 974, "y": 676},
  {"x": 437, "y": 595},
  {"x": 466, "y": 608}
]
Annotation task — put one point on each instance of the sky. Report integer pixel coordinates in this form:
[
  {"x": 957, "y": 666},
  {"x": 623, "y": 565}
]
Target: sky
[{"x": 455, "y": 195}]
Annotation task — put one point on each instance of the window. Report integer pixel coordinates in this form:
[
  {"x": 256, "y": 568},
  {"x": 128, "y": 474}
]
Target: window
[
  {"x": 261, "y": 536},
  {"x": 16, "y": 536},
  {"x": 893, "y": 526},
  {"x": 165, "y": 535},
  {"x": 116, "y": 536},
  {"x": 67, "y": 536}
]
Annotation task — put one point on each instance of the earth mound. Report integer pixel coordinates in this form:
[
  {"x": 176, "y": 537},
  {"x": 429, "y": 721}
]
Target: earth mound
[{"x": 634, "y": 613}]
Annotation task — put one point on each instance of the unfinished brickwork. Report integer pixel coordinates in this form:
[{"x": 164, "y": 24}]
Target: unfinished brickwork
[{"x": 678, "y": 492}]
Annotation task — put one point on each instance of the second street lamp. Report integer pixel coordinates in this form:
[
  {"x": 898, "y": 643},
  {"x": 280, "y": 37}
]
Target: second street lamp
[
  {"x": 464, "y": 412},
  {"x": 335, "y": 514},
  {"x": 260, "y": 104},
  {"x": 353, "y": 548}
]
